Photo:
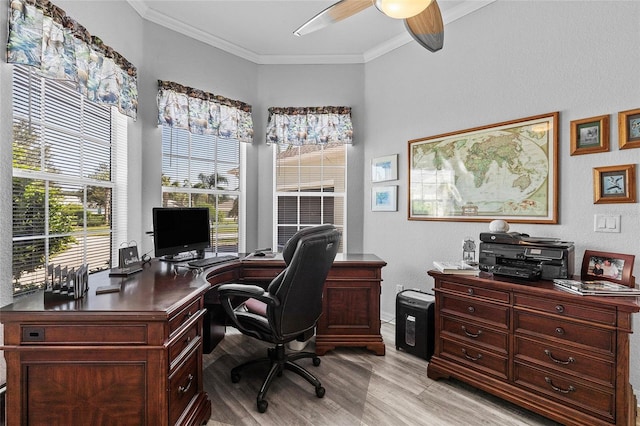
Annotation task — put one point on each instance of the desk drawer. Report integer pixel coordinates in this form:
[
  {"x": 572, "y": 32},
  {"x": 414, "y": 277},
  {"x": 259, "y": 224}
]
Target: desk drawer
[
  {"x": 472, "y": 308},
  {"x": 84, "y": 334},
  {"x": 475, "y": 333},
  {"x": 597, "y": 401},
  {"x": 183, "y": 387},
  {"x": 569, "y": 310},
  {"x": 179, "y": 319},
  {"x": 182, "y": 342},
  {"x": 566, "y": 360},
  {"x": 566, "y": 331}
]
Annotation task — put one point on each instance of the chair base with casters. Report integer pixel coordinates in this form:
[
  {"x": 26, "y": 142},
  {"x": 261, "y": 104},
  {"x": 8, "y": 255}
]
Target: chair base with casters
[{"x": 279, "y": 361}]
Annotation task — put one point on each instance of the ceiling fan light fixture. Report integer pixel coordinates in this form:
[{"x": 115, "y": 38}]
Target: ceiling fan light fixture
[{"x": 401, "y": 9}]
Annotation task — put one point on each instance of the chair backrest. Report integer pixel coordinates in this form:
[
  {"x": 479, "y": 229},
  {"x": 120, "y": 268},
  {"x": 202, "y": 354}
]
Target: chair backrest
[{"x": 310, "y": 254}]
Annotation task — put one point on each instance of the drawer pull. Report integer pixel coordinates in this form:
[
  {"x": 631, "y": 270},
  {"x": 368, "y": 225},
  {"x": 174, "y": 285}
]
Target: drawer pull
[
  {"x": 560, "y": 331},
  {"x": 571, "y": 359},
  {"x": 188, "y": 315},
  {"x": 467, "y": 356},
  {"x": 559, "y": 309},
  {"x": 475, "y": 336},
  {"x": 187, "y": 340},
  {"x": 184, "y": 389},
  {"x": 470, "y": 292},
  {"x": 471, "y": 309},
  {"x": 557, "y": 389}
]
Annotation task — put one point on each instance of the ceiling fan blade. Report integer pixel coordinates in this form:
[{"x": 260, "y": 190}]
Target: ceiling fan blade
[
  {"x": 334, "y": 13},
  {"x": 427, "y": 27}
]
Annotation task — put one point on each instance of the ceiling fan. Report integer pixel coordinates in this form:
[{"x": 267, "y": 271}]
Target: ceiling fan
[{"x": 422, "y": 18}]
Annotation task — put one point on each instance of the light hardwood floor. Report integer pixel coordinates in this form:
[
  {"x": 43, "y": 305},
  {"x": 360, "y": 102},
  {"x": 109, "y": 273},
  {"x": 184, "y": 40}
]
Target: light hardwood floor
[{"x": 361, "y": 389}]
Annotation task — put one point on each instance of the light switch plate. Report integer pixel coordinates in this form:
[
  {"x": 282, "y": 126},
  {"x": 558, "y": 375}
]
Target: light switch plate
[{"x": 606, "y": 223}]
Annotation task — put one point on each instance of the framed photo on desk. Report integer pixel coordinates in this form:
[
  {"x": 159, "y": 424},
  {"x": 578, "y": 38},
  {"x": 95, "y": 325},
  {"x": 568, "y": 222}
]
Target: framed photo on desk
[{"x": 614, "y": 267}]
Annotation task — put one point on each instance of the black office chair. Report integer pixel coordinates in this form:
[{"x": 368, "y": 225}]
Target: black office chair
[{"x": 293, "y": 305}]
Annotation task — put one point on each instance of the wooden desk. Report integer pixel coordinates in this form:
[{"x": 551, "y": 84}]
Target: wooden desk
[
  {"x": 127, "y": 358},
  {"x": 135, "y": 357},
  {"x": 562, "y": 355},
  {"x": 351, "y": 305}
]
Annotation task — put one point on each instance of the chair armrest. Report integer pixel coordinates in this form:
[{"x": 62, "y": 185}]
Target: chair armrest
[
  {"x": 227, "y": 291},
  {"x": 240, "y": 290}
]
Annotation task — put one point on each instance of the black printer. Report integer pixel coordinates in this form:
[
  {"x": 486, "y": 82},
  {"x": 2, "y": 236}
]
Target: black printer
[{"x": 518, "y": 255}]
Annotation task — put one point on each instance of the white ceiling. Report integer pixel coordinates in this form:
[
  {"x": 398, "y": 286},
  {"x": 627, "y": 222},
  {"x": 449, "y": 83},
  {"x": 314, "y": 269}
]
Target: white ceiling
[{"x": 261, "y": 31}]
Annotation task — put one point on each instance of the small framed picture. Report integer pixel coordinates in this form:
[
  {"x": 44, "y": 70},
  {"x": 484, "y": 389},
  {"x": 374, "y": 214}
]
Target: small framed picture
[
  {"x": 384, "y": 168},
  {"x": 590, "y": 135},
  {"x": 614, "y": 267},
  {"x": 384, "y": 198},
  {"x": 629, "y": 129},
  {"x": 614, "y": 184}
]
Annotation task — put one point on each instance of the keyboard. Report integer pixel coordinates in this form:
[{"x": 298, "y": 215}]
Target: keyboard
[{"x": 210, "y": 261}]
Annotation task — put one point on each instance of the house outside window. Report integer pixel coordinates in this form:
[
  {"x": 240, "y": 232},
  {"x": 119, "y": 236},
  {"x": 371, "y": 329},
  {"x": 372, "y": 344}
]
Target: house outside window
[
  {"x": 69, "y": 181},
  {"x": 310, "y": 188},
  {"x": 204, "y": 171}
]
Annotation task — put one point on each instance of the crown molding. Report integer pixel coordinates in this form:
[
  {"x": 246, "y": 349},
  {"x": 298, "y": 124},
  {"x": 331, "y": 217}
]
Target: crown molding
[{"x": 450, "y": 15}]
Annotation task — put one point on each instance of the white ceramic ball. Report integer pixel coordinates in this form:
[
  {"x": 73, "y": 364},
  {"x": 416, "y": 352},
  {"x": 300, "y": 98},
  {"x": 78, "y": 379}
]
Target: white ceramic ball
[{"x": 498, "y": 226}]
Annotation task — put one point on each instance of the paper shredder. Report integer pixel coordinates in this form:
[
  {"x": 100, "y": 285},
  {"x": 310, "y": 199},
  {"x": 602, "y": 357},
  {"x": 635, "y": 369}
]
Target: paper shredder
[{"x": 415, "y": 323}]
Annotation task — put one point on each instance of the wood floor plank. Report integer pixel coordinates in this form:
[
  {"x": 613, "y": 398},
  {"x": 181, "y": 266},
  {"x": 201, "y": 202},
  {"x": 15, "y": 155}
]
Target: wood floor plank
[{"x": 362, "y": 389}]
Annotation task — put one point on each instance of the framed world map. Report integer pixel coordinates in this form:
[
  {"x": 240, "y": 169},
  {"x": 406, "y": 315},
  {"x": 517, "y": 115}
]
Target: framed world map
[{"x": 504, "y": 171}]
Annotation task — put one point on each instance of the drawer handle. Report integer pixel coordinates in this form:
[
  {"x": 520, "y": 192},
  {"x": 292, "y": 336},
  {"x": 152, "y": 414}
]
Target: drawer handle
[
  {"x": 571, "y": 359},
  {"x": 188, "y": 315},
  {"x": 470, "y": 292},
  {"x": 187, "y": 340},
  {"x": 560, "y": 330},
  {"x": 557, "y": 389},
  {"x": 467, "y": 356},
  {"x": 559, "y": 309},
  {"x": 471, "y": 309},
  {"x": 184, "y": 389},
  {"x": 475, "y": 336}
]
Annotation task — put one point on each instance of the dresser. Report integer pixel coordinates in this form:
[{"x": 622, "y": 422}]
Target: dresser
[
  {"x": 561, "y": 355},
  {"x": 128, "y": 358}
]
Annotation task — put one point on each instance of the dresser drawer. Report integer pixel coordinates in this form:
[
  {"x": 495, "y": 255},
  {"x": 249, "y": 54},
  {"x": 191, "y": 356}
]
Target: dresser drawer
[
  {"x": 183, "y": 315},
  {"x": 569, "y": 310},
  {"x": 567, "y": 331},
  {"x": 472, "y": 308},
  {"x": 470, "y": 290},
  {"x": 474, "y": 333},
  {"x": 599, "y": 402},
  {"x": 566, "y": 360},
  {"x": 473, "y": 357},
  {"x": 183, "y": 387}
]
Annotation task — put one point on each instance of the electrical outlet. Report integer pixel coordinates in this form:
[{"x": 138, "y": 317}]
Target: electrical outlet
[{"x": 399, "y": 288}]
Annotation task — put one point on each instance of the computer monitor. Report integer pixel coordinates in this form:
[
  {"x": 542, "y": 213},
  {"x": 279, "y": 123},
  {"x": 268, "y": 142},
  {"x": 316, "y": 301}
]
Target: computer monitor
[{"x": 180, "y": 229}]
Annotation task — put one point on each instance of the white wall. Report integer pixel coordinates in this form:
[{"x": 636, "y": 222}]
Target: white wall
[{"x": 506, "y": 61}]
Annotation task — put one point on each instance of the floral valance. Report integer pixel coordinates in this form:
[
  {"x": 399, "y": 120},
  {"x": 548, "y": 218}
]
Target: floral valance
[
  {"x": 203, "y": 113},
  {"x": 43, "y": 36},
  {"x": 311, "y": 125}
]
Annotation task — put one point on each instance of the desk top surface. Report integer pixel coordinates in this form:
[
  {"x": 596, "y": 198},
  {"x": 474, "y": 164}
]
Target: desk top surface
[{"x": 158, "y": 290}]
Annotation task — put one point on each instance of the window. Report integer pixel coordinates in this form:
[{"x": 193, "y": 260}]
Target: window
[
  {"x": 69, "y": 199},
  {"x": 310, "y": 188},
  {"x": 204, "y": 171}
]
